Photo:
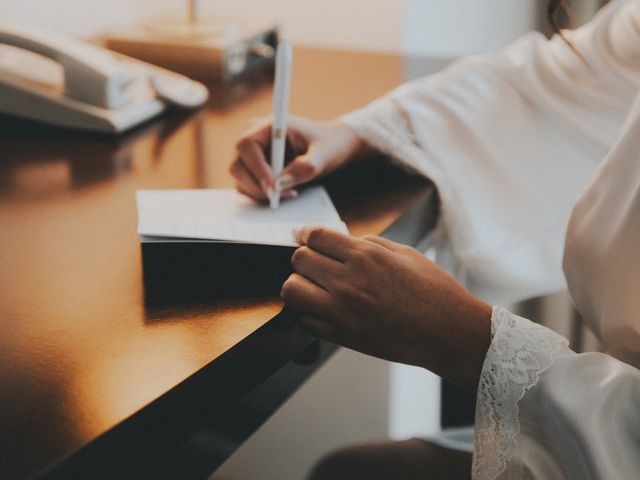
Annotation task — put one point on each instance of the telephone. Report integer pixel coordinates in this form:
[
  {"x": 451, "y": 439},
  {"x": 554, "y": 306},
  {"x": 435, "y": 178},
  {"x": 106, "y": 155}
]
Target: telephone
[{"x": 63, "y": 81}]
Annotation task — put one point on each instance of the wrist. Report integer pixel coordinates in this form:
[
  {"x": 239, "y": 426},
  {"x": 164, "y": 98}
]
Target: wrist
[
  {"x": 357, "y": 147},
  {"x": 474, "y": 349},
  {"x": 458, "y": 350}
]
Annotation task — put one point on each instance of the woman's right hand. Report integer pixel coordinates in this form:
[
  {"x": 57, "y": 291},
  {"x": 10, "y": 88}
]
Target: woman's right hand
[{"x": 318, "y": 148}]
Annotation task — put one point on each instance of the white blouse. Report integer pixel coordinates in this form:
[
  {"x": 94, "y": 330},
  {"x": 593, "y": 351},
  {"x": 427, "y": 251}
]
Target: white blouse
[{"x": 515, "y": 143}]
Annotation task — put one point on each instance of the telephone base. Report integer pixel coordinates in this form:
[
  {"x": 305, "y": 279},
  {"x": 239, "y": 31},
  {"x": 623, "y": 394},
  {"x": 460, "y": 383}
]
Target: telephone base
[{"x": 210, "y": 50}]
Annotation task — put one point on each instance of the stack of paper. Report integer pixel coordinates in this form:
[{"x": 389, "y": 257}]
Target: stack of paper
[{"x": 216, "y": 215}]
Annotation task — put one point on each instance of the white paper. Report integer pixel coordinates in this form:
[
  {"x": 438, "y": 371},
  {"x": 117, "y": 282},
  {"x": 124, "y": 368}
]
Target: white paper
[{"x": 219, "y": 215}]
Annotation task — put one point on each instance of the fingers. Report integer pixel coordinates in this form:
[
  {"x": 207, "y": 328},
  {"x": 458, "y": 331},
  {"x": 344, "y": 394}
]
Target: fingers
[
  {"x": 302, "y": 294},
  {"x": 315, "y": 266},
  {"x": 297, "y": 140},
  {"x": 317, "y": 327},
  {"x": 246, "y": 183},
  {"x": 305, "y": 167},
  {"x": 251, "y": 153},
  {"x": 302, "y": 169},
  {"x": 393, "y": 246},
  {"x": 328, "y": 242},
  {"x": 288, "y": 194}
]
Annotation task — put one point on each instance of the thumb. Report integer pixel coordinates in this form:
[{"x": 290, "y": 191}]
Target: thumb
[{"x": 302, "y": 169}]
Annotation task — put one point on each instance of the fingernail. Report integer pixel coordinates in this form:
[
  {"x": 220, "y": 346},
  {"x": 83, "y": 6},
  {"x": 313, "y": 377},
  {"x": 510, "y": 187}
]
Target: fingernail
[
  {"x": 269, "y": 193},
  {"x": 265, "y": 187},
  {"x": 286, "y": 181},
  {"x": 297, "y": 234},
  {"x": 288, "y": 194}
]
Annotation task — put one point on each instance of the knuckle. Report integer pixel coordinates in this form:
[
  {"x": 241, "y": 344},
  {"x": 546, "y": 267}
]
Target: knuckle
[
  {"x": 352, "y": 294},
  {"x": 304, "y": 170},
  {"x": 288, "y": 287},
  {"x": 299, "y": 256},
  {"x": 240, "y": 144},
  {"x": 316, "y": 234},
  {"x": 244, "y": 145},
  {"x": 362, "y": 253},
  {"x": 376, "y": 253},
  {"x": 408, "y": 250},
  {"x": 366, "y": 258},
  {"x": 291, "y": 280},
  {"x": 342, "y": 291},
  {"x": 308, "y": 169},
  {"x": 375, "y": 250},
  {"x": 235, "y": 168}
]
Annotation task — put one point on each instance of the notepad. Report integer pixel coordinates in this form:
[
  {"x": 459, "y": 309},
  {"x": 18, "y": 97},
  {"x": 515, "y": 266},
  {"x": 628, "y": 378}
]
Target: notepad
[{"x": 220, "y": 215}]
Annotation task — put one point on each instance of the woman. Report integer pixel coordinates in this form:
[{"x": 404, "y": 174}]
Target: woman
[{"x": 518, "y": 144}]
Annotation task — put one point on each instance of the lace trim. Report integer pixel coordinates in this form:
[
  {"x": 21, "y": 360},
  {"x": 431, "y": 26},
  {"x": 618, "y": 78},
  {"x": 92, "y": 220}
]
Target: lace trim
[{"x": 518, "y": 355}]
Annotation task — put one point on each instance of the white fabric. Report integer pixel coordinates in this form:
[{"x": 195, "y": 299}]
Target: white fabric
[
  {"x": 581, "y": 421},
  {"x": 545, "y": 412},
  {"x": 511, "y": 140},
  {"x": 520, "y": 352},
  {"x": 602, "y": 251}
]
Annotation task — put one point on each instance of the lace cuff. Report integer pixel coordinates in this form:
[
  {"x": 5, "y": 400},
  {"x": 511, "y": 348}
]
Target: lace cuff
[{"x": 518, "y": 355}]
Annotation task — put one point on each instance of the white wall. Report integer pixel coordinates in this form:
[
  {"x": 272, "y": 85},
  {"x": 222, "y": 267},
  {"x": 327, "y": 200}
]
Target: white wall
[
  {"x": 360, "y": 24},
  {"x": 433, "y": 27},
  {"x": 457, "y": 27},
  {"x": 346, "y": 402},
  {"x": 81, "y": 17},
  {"x": 440, "y": 27},
  {"x": 414, "y": 402}
]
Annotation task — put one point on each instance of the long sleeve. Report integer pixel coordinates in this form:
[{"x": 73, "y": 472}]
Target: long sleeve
[
  {"x": 545, "y": 412},
  {"x": 510, "y": 140}
]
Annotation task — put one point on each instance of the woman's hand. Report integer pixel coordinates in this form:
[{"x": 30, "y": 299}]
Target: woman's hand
[
  {"x": 388, "y": 300},
  {"x": 318, "y": 148}
]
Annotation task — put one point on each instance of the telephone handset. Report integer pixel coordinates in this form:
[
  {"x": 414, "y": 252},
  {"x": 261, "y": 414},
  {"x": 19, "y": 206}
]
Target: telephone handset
[{"x": 91, "y": 88}]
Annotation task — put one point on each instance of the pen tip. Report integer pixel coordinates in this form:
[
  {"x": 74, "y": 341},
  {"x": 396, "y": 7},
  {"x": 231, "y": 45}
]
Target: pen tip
[{"x": 273, "y": 199}]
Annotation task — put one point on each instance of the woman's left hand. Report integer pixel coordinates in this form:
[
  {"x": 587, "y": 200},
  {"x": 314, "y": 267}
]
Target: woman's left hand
[{"x": 387, "y": 300}]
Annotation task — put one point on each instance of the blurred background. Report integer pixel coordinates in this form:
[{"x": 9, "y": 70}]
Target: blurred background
[
  {"x": 430, "y": 27},
  {"x": 353, "y": 398}
]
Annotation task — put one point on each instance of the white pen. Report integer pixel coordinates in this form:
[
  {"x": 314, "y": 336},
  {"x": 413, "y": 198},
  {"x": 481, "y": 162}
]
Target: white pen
[{"x": 281, "y": 86}]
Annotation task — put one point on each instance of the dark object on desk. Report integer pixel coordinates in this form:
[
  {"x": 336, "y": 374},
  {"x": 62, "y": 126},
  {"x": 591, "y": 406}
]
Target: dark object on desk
[{"x": 184, "y": 272}]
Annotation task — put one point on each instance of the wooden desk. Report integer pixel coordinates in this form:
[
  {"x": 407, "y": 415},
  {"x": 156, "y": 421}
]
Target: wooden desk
[{"x": 93, "y": 382}]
